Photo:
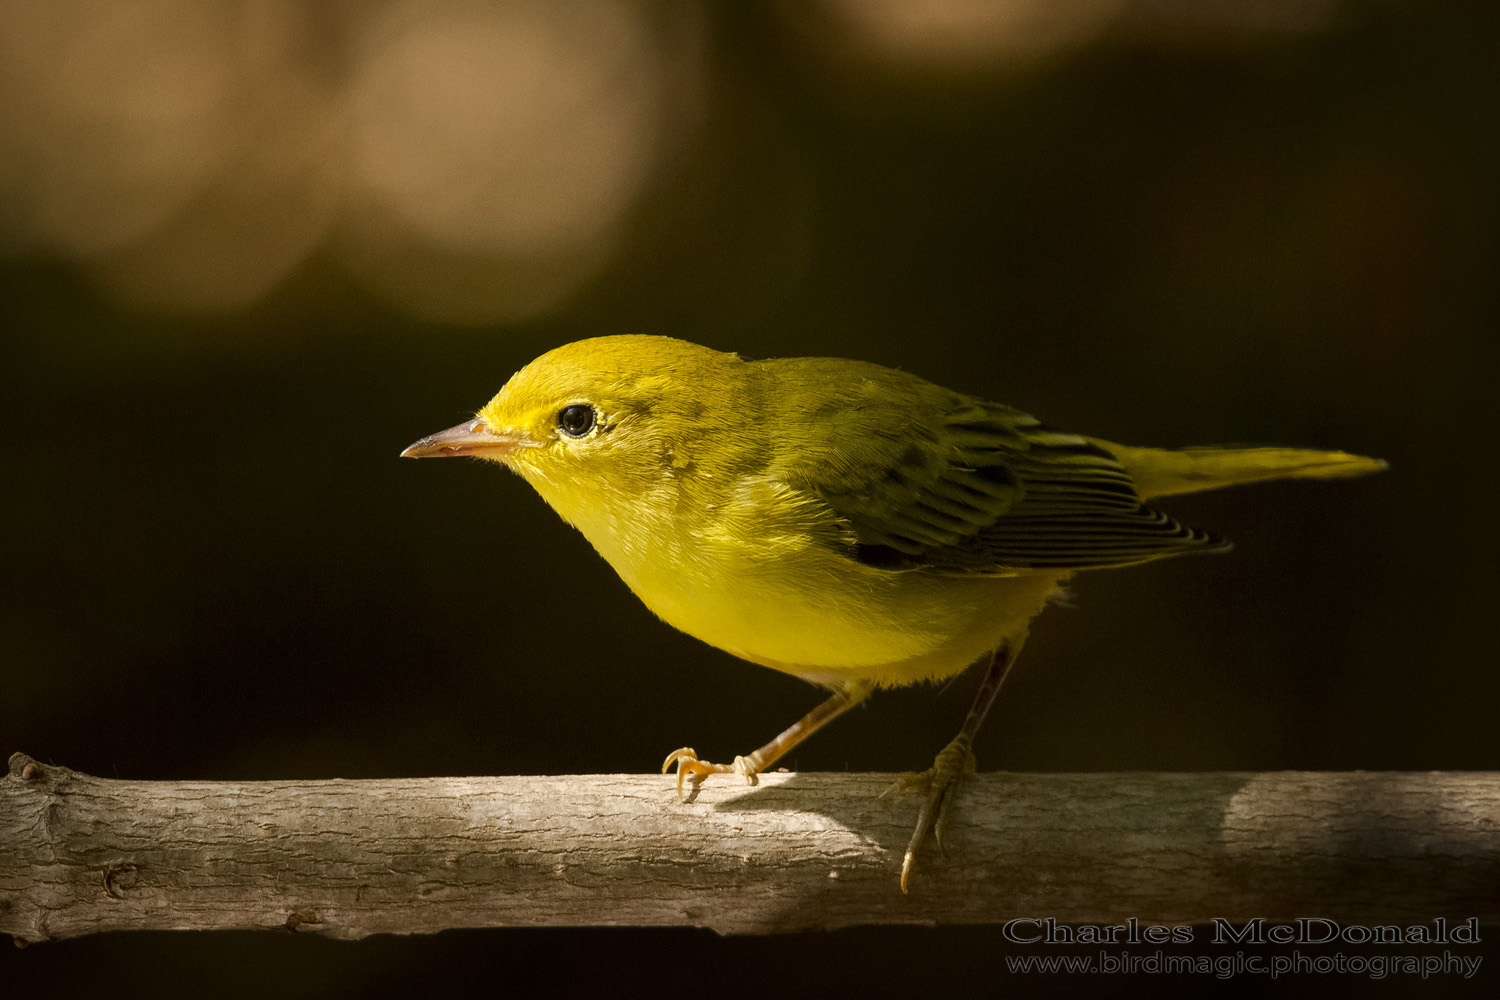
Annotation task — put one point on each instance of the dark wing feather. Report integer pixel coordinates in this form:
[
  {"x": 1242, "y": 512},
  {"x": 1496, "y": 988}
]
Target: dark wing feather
[{"x": 953, "y": 484}]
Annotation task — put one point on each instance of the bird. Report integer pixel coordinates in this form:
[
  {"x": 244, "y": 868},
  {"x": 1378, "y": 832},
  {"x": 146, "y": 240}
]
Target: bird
[{"x": 847, "y": 523}]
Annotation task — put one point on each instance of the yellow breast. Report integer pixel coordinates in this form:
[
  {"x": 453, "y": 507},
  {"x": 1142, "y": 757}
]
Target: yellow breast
[{"x": 756, "y": 580}]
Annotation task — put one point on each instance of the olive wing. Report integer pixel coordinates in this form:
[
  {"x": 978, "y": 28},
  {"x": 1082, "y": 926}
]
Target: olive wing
[{"x": 929, "y": 479}]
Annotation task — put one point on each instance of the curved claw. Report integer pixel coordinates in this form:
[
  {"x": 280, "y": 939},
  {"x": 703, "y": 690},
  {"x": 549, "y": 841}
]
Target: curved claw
[
  {"x": 929, "y": 818},
  {"x": 683, "y": 757},
  {"x": 911, "y": 781},
  {"x": 941, "y": 783},
  {"x": 689, "y": 767},
  {"x": 677, "y": 755}
]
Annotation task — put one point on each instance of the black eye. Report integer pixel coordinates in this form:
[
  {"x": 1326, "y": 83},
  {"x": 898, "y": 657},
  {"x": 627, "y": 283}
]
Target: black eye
[{"x": 576, "y": 419}]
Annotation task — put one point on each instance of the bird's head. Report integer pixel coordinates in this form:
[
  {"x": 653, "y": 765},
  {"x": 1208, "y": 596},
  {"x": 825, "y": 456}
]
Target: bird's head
[{"x": 604, "y": 422}]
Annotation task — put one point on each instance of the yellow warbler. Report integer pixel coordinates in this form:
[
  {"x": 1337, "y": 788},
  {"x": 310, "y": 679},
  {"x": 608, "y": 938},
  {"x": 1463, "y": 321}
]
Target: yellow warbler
[{"x": 852, "y": 525}]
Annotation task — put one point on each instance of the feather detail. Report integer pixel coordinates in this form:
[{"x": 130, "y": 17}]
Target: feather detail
[{"x": 931, "y": 479}]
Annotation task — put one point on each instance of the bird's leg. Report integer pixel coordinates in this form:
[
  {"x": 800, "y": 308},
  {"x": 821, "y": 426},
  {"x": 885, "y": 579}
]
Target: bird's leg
[
  {"x": 954, "y": 761},
  {"x": 695, "y": 770}
]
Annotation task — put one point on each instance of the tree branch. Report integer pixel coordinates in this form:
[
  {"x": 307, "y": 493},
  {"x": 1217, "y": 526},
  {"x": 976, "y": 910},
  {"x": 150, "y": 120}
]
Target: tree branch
[{"x": 80, "y": 854}]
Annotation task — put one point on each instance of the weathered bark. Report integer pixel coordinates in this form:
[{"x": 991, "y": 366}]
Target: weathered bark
[{"x": 80, "y": 854}]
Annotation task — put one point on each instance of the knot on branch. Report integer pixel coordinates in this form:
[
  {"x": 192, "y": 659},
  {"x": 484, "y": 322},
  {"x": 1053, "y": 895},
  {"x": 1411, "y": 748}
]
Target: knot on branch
[{"x": 23, "y": 767}]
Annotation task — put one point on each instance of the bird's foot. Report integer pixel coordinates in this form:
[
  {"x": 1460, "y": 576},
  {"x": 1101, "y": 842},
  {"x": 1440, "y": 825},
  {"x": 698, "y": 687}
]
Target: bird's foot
[
  {"x": 691, "y": 768},
  {"x": 940, "y": 782}
]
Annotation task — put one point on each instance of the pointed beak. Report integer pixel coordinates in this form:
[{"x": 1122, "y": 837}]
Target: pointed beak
[{"x": 471, "y": 438}]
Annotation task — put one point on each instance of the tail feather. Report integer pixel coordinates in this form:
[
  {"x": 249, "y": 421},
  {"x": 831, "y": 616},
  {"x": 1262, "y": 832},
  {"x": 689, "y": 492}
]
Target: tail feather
[{"x": 1162, "y": 472}]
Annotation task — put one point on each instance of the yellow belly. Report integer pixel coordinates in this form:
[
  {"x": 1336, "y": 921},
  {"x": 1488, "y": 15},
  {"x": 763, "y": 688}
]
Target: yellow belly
[
  {"x": 827, "y": 619},
  {"x": 759, "y": 578}
]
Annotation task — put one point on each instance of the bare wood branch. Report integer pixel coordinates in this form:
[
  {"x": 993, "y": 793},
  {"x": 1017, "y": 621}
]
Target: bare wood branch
[{"x": 80, "y": 854}]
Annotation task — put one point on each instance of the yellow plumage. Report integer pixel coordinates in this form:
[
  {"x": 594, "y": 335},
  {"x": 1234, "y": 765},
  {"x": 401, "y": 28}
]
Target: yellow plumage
[{"x": 847, "y": 523}]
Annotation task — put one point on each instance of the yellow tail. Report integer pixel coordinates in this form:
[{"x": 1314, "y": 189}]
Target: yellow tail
[{"x": 1163, "y": 472}]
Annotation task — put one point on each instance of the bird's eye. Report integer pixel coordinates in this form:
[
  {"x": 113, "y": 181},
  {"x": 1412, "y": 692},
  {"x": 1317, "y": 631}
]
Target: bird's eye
[{"x": 576, "y": 419}]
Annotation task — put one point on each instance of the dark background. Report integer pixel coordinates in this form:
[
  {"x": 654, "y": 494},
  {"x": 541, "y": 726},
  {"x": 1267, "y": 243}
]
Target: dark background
[{"x": 1185, "y": 224}]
